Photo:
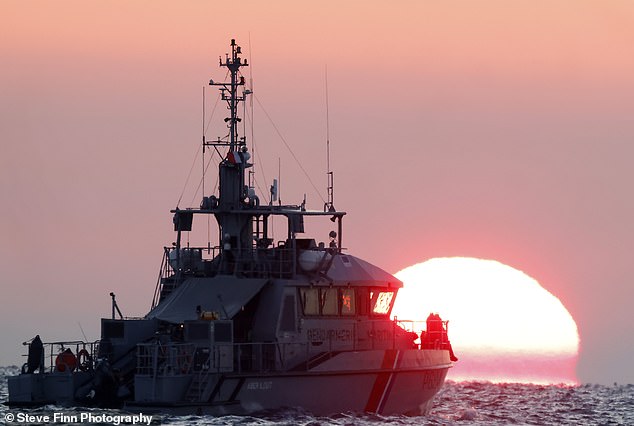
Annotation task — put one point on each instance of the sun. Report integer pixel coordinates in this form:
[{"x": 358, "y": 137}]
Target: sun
[{"x": 506, "y": 326}]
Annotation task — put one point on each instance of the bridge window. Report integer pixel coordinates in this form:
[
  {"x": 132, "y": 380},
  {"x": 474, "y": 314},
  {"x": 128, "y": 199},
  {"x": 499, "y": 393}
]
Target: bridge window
[
  {"x": 328, "y": 301},
  {"x": 310, "y": 301},
  {"x": 348, "y": 302},
  {"x": 381, "y": 302},
  {"x": 330, "y": 305}
]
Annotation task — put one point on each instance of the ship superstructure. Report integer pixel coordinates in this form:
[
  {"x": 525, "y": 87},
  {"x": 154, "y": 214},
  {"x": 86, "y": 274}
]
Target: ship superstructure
[{"x": 249, "y": 323}]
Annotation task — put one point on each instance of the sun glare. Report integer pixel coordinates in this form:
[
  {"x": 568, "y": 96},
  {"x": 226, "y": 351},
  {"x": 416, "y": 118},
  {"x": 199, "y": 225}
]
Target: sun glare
[{"x": 495, "y": 313}]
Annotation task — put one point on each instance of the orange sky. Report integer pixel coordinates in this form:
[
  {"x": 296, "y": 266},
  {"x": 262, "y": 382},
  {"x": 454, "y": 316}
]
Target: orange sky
[{"x": 491, "y": 129}]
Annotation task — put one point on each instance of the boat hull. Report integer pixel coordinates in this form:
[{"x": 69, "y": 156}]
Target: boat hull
[
  {"x": 388, "y": 393},
  {"x": 49, "y": 388},
  {"x": 384, "y": 382}
]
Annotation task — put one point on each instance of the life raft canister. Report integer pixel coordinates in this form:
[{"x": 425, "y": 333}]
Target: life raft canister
[{"x": 64, "y": 360}]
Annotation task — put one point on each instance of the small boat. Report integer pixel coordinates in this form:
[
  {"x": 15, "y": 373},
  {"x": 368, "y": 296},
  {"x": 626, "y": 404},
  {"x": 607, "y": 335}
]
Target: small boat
[{"x": 247, "y": 323}]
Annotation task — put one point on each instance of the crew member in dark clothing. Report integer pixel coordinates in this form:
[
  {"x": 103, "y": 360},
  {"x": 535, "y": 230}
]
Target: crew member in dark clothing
[
  {"x": 445, "y": 340},
  {"x": 436, "y": 335},
  {"x": 35, "y": 359},
  {"x": 434, "y": 329}
]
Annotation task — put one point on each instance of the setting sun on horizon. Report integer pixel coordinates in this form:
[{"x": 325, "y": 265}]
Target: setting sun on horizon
[{"x": 503, "y": 325}]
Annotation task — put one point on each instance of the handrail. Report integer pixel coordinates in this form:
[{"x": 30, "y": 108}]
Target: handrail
[
  {"x": 183, "y": 358},
  {"x": 79, "y": 345},
  {"x": 256, "y": 262},
  {"x": 433, "y": 333}
]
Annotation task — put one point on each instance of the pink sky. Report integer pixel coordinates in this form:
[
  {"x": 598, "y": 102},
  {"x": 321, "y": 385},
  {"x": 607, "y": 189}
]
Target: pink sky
[{"x": 491, "y": 129}]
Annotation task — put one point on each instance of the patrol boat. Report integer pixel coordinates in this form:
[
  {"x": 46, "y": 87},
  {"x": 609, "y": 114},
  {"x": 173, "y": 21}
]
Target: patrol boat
[{"x": 247, "y": 323}]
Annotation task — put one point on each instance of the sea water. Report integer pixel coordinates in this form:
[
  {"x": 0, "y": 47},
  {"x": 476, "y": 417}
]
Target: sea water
[{"x": 458, "y": 403}]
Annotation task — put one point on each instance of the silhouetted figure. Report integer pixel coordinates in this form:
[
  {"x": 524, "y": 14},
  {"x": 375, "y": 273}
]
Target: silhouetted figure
[
  {"x": 66, "y": 360},
  {"x": 436, "y": 335},
  {"x": 434, "y": 329},
  {"x": 35, "y": 359},
  {"x": 447, "y": 344},
  {"x": 445, "y": 339}
]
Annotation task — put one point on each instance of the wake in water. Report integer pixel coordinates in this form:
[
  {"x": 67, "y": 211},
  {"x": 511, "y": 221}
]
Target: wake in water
[{"x": 463, "y": 403}]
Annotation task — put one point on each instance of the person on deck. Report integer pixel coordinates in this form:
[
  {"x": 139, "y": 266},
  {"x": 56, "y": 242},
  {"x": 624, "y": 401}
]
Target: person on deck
[
  {"x": 35, "y": 358},
  {"x": 437, "y": 335}
]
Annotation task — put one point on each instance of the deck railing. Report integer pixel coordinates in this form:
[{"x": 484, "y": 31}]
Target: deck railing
[
  {"x": 432, "y": 333},
  {"x": 273, "y": 262},
  {"x": 158, "y": 359},
  {"x": 56, "y": 358},
  {"x": 170, "y": 359}
]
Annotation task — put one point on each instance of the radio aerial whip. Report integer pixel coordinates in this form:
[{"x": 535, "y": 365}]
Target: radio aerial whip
[{"x": 329, "y": 205}]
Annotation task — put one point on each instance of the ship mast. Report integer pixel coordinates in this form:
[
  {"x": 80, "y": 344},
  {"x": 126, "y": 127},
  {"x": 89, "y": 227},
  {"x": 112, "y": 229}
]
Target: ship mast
[
  {"x": 235, "y": 229},
  {"x": 230, "y": 94},
  {"x": 244, "y": 247},
  {"x": 233, "y": 63}
]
